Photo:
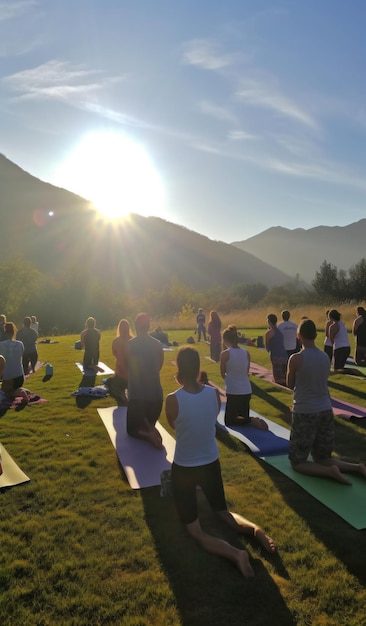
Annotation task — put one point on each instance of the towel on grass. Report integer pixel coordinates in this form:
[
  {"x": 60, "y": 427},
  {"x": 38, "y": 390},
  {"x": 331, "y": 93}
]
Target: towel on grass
[
  {"x": 16, "y": 403},
  {"x": 99, "y": 391}
]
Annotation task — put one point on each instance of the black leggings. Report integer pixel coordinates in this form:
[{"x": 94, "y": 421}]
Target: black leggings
[{"x": 237, "y": 405}]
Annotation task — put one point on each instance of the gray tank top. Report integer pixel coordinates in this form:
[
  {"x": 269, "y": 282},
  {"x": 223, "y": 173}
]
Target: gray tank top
[{"x": 311, "y": 393}]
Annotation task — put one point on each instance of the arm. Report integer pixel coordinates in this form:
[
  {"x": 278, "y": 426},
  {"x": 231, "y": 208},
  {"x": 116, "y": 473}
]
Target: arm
[
  {"x": 248, "y": 353},
  {"x": 356, "y": 324},
  {"x": 267, "y": 338},
  {"x": 333, "y": 330},
  {"x": 171, "y": 409},
  {"x": 224, "y": 357},
  {"x": 218, "y": 401},
  {"x": 294, "y": 363},
  {"x": 161, "y": 357}
]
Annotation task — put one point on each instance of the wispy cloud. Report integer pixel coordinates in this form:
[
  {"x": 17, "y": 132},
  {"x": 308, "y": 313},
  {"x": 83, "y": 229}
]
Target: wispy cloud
[
  {"x": 58, "y": 80},
  {"x": 206, "y": 53},
  {"x": 218, "y": 112},
  {"x": 241, "y": 135},
  {"x": 14, "y": 9},
  {"x": 257, "y": 88},
  {"x": 262, "y": 94}
]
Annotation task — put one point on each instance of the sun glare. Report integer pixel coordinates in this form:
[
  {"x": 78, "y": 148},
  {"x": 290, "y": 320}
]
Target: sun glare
[{"x": 116, "y": 174}]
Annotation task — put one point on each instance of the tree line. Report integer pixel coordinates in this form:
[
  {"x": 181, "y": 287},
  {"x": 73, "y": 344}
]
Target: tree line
[{"x": 62, "y": 304}]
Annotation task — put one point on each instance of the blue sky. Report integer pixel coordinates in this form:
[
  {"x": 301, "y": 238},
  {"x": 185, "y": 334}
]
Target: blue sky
[{"x": 225, "y": 117}]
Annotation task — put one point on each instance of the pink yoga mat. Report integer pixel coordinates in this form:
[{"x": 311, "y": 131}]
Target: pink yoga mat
[{"x": 346, "y": 410}]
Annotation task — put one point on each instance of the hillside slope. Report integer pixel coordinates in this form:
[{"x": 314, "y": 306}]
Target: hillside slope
[
  {"x": 57, "y": 231},
  {"x": 303, "y": 251}
]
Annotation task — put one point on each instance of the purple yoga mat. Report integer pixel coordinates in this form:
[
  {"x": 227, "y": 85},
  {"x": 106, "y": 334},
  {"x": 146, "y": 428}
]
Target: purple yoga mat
[{"x": 141, "y": 462}]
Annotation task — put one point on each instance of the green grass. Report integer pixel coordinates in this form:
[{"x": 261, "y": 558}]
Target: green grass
[{"x": 79, "y": 547}]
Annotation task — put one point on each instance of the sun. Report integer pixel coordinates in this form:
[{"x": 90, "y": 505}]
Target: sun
[{"x": 116, "y": 174}]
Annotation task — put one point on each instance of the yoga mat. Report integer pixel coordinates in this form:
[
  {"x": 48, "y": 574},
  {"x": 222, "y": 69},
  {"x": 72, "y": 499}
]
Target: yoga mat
[
  {"x": 12, "y": 475},
  {"x": 262, "y": 443},
  {"x": 38, "y": 365},
  {"x": 141, "y": 462},
  {"x": 346, "y": 410},
  {"x": 349, "y": 502},
  {"x": 106, "y": 369}
]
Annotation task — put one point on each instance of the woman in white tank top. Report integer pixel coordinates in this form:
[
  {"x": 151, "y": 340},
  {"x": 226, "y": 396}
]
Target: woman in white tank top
[
  {"x": 339, "y": 338},
  {"x": 234, "y": 368},
  {"x": 192, "y": 412}
]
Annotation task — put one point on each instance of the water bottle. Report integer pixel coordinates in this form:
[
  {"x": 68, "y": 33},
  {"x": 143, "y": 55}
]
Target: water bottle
[{"x": 49, "y": 369}]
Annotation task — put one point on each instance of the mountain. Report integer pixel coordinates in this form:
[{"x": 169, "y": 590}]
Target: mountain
[
  {"x": 58, "y": 231},
  {"x": 303, "y": 251}
]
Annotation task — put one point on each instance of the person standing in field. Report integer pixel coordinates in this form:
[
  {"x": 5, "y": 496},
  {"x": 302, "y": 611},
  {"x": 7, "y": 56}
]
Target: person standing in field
[
  {"x": 35, "y": 324},
  {"x": 289, "y": 333},
  {"x": 214, "y": 330},
  {"x": 201, "y": 325},
  {"x": 234, "y": 369},
  {"x": 145, "y": 358},
  {"x": 192, "y": 411},
  {"x": 90, "y": 338},
  {"x": 273, "y": 341},
  {"x": 312, "y": 430},
  {"x": 28, "y": 337},
  {"x": 359, "y": 331}
]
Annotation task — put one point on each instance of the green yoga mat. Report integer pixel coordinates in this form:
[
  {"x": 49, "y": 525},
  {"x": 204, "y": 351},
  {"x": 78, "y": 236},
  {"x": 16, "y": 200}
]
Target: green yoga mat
[{"x": 349, "y": 502}]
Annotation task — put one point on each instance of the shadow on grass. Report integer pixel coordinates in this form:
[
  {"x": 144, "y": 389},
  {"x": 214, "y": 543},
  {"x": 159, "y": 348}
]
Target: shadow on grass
[
  {"x": 83, "y": 401},
  {"x": 340, "y": 387},
  {"x": 207, "y": 588},
  {"x": 341, "y": 539},
  {"x": 268, "y": 397}
]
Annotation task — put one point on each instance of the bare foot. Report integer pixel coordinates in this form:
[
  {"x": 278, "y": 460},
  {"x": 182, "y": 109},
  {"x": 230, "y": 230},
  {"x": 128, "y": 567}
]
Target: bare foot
[
  {"x": 151, "y": 436},
  {"x": 337, "y": 475},
  {"x": 257, "y": 422},
  {"x": 244, "y": 565},
  {"x": 264, "y": 540},
  {"x": 361, "y": 468}
]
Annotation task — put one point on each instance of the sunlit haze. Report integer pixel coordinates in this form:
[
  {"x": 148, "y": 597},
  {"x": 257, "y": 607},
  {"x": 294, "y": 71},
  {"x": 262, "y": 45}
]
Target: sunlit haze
[
  {"x": 115, "y": 173},
  {"x": 225, "y": 117}
]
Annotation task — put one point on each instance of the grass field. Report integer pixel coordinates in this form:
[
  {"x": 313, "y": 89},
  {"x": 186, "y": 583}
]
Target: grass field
[{"x": 79, "y": 547}]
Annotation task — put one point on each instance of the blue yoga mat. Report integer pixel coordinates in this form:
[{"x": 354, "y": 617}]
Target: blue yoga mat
[{"x": 262, "y": 443}]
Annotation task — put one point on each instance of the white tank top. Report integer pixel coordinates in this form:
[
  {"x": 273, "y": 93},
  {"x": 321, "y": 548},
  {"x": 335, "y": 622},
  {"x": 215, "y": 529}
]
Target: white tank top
[
  {"x": 341, "y": 339},
  {"x": 236, "y": 378},
  {"x": 195, "y": 427}
]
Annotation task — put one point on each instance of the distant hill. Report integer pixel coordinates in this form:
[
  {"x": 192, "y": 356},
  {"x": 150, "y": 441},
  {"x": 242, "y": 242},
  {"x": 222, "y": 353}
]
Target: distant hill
[
  {"x": 55, "y": 229},
  {"x": 303, "y": 251}
]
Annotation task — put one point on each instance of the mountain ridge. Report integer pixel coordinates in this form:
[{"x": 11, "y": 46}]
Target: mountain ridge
[
  {"x": 304, "y": 250},
  {"x": 58, "y": 231}
]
